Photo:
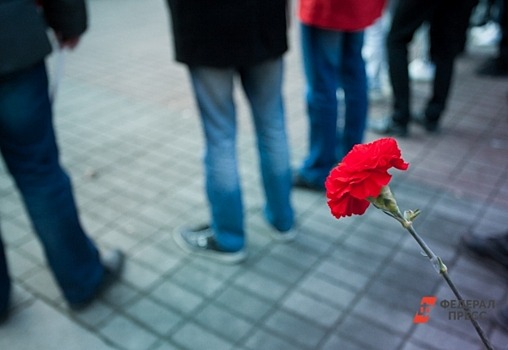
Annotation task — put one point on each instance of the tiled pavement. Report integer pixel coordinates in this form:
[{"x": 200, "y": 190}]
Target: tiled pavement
[{"x": 131, "y": 140}]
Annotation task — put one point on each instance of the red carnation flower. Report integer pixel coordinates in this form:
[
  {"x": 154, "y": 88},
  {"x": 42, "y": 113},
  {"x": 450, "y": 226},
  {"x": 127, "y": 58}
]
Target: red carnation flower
[{"x": 361, "y": 175}]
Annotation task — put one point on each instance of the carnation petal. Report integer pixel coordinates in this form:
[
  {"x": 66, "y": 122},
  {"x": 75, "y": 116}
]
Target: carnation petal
[{"x": 347, "y": 206}]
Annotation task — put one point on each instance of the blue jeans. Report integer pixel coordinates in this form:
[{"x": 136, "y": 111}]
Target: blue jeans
[
  {"x": 28, "y": 146},
  {"x": 332, "y": 60},
  {"x": 213, "y": 89}
]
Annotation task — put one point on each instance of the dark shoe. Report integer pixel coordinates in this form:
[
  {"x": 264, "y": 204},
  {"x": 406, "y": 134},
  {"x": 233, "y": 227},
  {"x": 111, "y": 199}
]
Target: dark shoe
[
  {"x": 431, "y": 126},
  {"x": 491, "y": 248},
  {"x": 201, "y": 240},
  {"x": 395, "y": 129},
  {"x": 113, "y": 262},
  {"x": 300, "y": 182},
  {"x": 392, "y": 129},
  {"x": 494, "y": 67},
  {"x": 502, "y": 317}
]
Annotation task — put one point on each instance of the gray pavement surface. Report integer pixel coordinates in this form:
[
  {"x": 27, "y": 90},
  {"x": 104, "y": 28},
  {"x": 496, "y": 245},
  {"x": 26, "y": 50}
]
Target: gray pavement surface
[{"x": 131, "y": 140}]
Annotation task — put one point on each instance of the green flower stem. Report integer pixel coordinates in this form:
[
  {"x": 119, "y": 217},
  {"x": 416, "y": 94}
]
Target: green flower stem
[
  {"x": 387, "y": 203},
  {"x": 443, "y": 271}
]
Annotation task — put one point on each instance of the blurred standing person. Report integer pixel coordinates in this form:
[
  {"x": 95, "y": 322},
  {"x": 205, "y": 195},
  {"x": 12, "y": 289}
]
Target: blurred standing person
[
  {"x": 498, "y": 66},
  {"x": 448, "y": 22},
  {"x": 30, "y": 152},
  {"x": 374, "y": 53},
  {"x": 332, "y": 34},
  {"x": 221, "y": 41}
]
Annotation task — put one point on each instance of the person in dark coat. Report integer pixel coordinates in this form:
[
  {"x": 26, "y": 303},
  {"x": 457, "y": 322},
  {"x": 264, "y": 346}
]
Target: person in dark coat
[
  {"x": 30, "y": 152},
  {"x": 448, "y": 21},
  {"x": 220, "y": 41}
]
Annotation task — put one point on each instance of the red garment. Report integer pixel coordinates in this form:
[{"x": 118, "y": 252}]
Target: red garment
[{"x": 343, "y": 15}]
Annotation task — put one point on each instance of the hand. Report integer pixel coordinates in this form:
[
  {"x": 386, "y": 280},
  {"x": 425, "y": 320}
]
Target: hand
[{"x": 68, "y": 43}]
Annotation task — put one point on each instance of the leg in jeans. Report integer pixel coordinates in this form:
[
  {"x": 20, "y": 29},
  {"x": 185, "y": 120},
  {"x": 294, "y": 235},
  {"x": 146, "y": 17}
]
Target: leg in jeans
[
  {"x": 28, "y": 145},
  {"x": 263, "y": 86},
  {"x": 354, "y": 82},
  {"x": 408, "y": 16},
  {"x": 322, "y": 59},
  {"x": 213, "y": 89}
]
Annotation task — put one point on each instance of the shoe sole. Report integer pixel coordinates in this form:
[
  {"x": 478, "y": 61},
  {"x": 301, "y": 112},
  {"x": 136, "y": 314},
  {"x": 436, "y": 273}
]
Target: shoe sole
[{"x": 284, "y": 237}]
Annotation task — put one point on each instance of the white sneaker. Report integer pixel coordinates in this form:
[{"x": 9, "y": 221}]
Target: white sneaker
[
  {"x": 421, "y": 70},
  {"x": 486, "y": 35}
]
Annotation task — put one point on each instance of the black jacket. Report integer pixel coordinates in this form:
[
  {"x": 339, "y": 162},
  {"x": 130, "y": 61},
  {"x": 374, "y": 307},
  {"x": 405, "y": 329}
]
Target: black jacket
[
  {"x": 226, "y": 33},
  {"x": 23, "y": 40}
]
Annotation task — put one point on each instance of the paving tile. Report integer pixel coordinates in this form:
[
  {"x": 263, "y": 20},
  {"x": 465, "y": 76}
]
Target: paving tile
[
  {"x": 439, "y": 338},
  {"x": 356, "y": 242},
  {"x": 215, "y": 268},
  {"x": 193, "y": 336},
  {"x": 244, "y": 303},
  {"x": 177, "y": 297},
  {"x": 153, "y": 316},
  {"x": 388, "y": 315},
  {"x": 335, "y": 342},
  {"x": 29, "y": 329},
  {"x": 499, "y": 339},
  {"x": 369, "y": 230},
  {"x": 260, "y": 285},
  {"x": 270, "y": 265},
  {"x": 292, "y": 327},
  {"x": 405, "y": 279},
  {"x": 140, "y": 276},
  {"x": 318, "y": 243},
  {"x": 118, "y": 240},
  {"x": 34, "y": 249},
  {"x": 338, "y": 295},
  {"x": 95, "y": 315},
  {"x": 355, "y": 328},
  {"x": 473, "y": 286},
  {"x": 312, "y": 309},
  {"x": 20, "y": 296},
  {"x": 415, "y": 346},
  {"x": 20, "y": 264},
  {"x": 294, "y": 255},
  {"x": 120, "y": 294},
  {"x": 155, "y": 258},
  {"x": 42, "y": 283},
  {"x": 343, "y": 274},
  {"x": 15, "y": 234},
  {"x": 393, "y": 294},
  {"x": 127, "y": 335},
  {"x": 165, "y": 346},
  {"x": 356, "y": 261},
  {"x": 201, "y": 282},
  {"x": 224, "y": 323},
  {"x": 265, "y": 340}
]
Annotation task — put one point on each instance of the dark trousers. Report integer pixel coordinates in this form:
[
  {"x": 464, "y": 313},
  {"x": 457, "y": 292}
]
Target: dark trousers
[
  {"x": 503, "y": 23},
  {"x": 448, "y": 21}
]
